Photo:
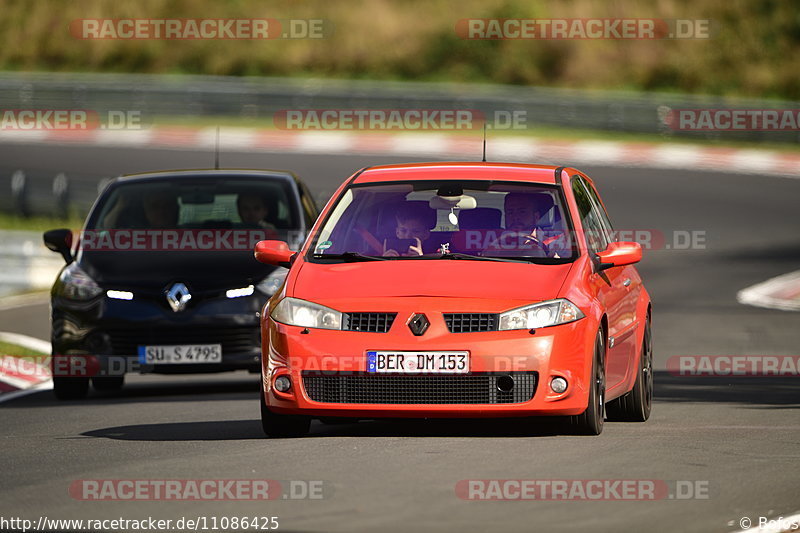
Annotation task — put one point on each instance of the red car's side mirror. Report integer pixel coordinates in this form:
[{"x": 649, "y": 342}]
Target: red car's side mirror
[
  {"x": 620, "y": 254},
  {"x": 276, "y": 253}
]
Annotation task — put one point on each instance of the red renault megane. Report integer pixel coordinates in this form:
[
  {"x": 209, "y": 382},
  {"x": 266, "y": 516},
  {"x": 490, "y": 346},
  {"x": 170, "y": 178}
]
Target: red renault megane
[{"x": 458, "y": 290}]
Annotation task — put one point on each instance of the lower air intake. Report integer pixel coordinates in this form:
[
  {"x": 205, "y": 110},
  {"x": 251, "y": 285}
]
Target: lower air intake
[{"x": 474, "y": 388}]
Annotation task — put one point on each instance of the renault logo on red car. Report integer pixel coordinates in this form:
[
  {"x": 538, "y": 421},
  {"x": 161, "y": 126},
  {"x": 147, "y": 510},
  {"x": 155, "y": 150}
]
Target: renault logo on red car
[{"x": 418, "y": 324}]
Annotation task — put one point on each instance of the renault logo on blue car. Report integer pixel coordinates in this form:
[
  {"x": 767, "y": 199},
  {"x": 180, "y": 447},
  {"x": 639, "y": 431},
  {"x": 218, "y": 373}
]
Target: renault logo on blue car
[{"x": 178, "y": 296}]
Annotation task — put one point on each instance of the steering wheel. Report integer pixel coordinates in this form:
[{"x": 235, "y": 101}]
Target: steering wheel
[{"x": 497, "y": 247}]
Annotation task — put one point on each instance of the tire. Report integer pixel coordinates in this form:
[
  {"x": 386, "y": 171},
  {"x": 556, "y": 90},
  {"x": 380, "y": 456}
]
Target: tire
[
  {"x": 68, "y": 388},
  {"x": 282, "y": 426},
  {"x": 590, "y": 422},
  {"x": 635, "y": 406},
  {"x": 110, "y": 383}
]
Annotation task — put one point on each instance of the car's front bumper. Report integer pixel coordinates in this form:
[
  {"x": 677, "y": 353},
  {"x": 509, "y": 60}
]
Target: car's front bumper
[
  {"x": 345, "y": 388},
  {"x": 105, "y": 335}
]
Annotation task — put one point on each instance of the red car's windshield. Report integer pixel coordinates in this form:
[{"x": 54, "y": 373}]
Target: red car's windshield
[{"x": 481, "y": 219}]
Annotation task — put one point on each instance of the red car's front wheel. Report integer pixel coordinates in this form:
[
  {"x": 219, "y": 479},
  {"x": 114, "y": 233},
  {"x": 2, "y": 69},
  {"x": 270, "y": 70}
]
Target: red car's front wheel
[
  {"x": 635, "y": 405},
  {"x": 590, "y": 422},
  {"x": 282, "y": 426}
]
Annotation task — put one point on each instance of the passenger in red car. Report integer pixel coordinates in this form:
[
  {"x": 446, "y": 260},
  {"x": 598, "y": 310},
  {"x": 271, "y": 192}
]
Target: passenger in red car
[{"x": 413, "y": 222}]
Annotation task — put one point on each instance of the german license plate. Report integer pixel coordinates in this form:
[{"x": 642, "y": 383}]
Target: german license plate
[
  {"x": 418, "y": 362},
  {"x": 180, "y": 354}
]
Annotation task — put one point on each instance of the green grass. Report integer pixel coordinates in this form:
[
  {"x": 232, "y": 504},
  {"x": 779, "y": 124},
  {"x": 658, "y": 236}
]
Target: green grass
[
  {"x": 14, "y": 350},
  {"x": 14, "y": 222},
  {"x": 752, "y": 50}
]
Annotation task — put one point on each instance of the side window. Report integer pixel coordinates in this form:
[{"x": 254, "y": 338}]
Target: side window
[
  {"x": 596, "y": 238},
  {"x": 601, "y": 211}
]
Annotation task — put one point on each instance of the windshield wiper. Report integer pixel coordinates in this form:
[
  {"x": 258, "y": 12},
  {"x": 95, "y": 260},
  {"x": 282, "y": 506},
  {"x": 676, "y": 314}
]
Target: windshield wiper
[
  {"x": 456, "y": 255},
  {"x": 352, "y": 257},
  {"x": 459, "y": 256}
]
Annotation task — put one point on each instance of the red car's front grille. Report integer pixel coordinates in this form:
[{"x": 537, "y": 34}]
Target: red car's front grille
[
  {"x": 369, "y": 322},
  {"x": 470, "y": 322},
  {"x": 474, "y": 388}
]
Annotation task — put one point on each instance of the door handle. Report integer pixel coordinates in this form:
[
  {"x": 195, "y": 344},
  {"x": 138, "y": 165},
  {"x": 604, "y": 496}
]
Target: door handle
[{"x": 627, "y": 282}]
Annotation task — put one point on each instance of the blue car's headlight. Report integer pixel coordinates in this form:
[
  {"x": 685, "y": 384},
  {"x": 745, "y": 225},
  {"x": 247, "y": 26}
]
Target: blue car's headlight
[
  {"x": 296, "y": 312},
  {"x": 541, "y": 315},
  {"x": 273, "y": 282},
  {"x": 77, "y": 285}
]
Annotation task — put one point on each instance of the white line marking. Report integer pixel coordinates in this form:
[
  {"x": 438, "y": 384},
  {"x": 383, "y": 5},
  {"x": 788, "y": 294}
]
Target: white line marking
[
  {"x": 754, "y": 160},
  {"x": 44, "y": 385},
  {"x": 513, "y": 149},
  {"x": 601, "y": 152},
  {"x": 419, "y": 143},
  {"x": 24, "y": 300},
  {"x": 132, "y": 138},
  {"x": 16, "y": 382},
  {"x": 666, "y": 155},
  {"x": 318, "y": 141},
  {"x": 31, "y": 343},
  {"x": 676, "y": 156},
  {"x": 764, "y": 294}
]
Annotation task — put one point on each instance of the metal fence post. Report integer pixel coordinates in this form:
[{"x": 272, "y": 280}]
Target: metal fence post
[
  {"x": 19, "y": 193},
  {"x": 61, "y": 194}
]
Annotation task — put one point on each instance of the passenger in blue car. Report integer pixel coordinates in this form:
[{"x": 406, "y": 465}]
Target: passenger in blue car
[
  {"x": 253, "y": 211},
  {"x": 160, "y": 209}
]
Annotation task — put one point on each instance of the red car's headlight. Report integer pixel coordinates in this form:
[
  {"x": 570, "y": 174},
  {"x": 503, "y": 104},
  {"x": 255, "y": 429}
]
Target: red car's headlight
[
  {"x": 541, "y": 315},
  {"x": 296, "y": 312}
]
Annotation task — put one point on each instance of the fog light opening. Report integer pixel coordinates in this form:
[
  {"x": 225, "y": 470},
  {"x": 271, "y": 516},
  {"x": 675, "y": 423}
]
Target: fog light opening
[
  {"x": 283, "y": 383},
  {"x": 505, "y": 383},
  {"x": 558, "y": 385}
]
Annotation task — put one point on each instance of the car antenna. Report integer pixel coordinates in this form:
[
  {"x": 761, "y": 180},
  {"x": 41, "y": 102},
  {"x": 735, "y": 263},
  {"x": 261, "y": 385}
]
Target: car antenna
[
  {"x": 484, "y": 141},
  {"x": 216, "y": 151}
]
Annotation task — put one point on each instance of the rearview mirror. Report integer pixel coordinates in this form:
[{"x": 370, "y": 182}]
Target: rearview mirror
[
  {"x": 59, "y": 240},
  {"x": 619, "y": 254},
  {"x": 462, "y": 201},
  {"x": 276, "y": 253}
]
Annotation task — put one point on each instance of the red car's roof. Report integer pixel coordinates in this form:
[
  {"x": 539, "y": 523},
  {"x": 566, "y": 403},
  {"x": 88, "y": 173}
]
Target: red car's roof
[{"x": 461, "y": 171}]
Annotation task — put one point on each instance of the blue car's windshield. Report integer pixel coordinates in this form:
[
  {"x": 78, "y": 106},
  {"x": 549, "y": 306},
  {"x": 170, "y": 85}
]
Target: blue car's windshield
[{"x": 198, "y": 203}]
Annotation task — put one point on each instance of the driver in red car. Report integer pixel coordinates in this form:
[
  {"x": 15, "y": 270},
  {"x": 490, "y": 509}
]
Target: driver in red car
[{"x": 526, "y": 227}]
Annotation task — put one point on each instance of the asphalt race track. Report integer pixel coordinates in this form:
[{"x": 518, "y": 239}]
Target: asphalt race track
[{"x": 736, "y": 436}]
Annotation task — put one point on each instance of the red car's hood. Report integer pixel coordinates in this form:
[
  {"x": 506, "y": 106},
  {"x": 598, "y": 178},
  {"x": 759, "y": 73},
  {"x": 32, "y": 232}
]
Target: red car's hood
[{"x": 438, "y": 278}]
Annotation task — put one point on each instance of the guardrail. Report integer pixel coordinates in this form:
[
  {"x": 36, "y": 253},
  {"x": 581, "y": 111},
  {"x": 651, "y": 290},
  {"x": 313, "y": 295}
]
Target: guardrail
[
  {"x": 158, "y": 96},
  {"x": 169, "y": 95},
  {"x": 25, "y": 263}
]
